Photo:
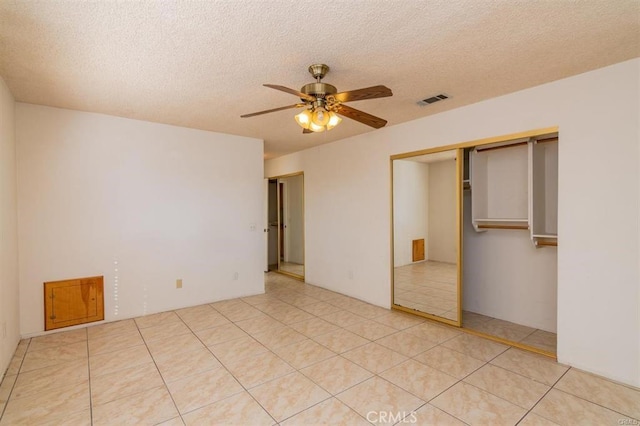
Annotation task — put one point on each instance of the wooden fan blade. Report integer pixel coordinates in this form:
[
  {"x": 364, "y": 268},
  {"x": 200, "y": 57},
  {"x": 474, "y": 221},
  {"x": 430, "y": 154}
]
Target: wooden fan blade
[
  {"x": 363, "y": 94},
  {"x": 273, "y": 110},
  {"x": 362, "y": 117},
  {"x": 292, "y": 91},
  {"x": 305, "y": 131}
]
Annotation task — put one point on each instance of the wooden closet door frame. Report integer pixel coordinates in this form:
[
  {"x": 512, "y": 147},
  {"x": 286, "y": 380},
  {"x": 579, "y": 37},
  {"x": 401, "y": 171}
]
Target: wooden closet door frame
[
  {"x": 548, "y": 131},
  {"x": 459, "y": 217}
]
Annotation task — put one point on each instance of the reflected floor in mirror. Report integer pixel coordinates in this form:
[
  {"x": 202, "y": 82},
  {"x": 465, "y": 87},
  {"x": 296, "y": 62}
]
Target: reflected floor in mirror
[
  {"x": 429, "y": 287},
  {"x": 509, "y": 330},
  {"x": 292, "y": 268}
]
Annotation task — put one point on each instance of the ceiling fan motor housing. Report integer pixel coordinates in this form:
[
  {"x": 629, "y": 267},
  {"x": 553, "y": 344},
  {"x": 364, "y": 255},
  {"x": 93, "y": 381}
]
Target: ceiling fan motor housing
[
  {"x": 319, "y": 90},
  {"x": 318, "y": 71}
]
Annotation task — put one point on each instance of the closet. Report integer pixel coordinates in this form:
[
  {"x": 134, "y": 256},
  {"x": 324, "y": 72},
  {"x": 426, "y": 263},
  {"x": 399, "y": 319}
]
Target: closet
[
  {"x": 506, "y": 203},
  {"x": 510, "y": 241}
]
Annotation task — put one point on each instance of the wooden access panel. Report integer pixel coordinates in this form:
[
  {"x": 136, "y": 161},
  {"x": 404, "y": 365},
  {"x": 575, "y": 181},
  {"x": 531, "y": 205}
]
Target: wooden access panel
[
  {"x": 418, "y": 250},
  {"x": 73, "y": 302}
]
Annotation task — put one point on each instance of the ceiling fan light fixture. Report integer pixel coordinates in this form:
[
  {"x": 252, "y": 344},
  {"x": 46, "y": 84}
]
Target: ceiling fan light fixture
[
  {"x": 315, "y": 128},
  {"x": 317, "y": 120},
  {"x": 304, "y": 119},
  {"x": 320, "y": 117},
  {"x": 334, "y": 120}
]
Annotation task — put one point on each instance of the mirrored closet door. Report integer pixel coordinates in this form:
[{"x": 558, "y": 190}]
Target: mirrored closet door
[
  {"x": 427, "y": 234},
  {"x": 285, "y": 238},
  {"x": 493, "y": 202}
]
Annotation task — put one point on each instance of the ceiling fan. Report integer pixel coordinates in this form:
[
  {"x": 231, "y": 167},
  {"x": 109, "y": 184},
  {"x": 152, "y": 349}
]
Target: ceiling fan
[{"x": 323, "y": 103}]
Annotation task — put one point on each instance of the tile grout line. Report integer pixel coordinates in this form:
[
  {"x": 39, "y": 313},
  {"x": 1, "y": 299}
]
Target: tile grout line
[
  {"x": 592, "y": 402},
  {"x": 542, "y": 397},
  {"x": 374, "y": 374},
  {"x": 462, "y": 380},
  {"x": 4, "y": 409},
  {"x": 341, "y": 356},
  {"x": 525, "y": 337},
  {"x": 309, "y": 338},
  {"x": 158, "y": 369},
  {"x": 124, "y": 368},
  {"x": 396, "y": 331},
  {"x": 436, "y": 396},
  {"x": 89, "y": 378},
  {"x": 331, "y": 395},
  {"x": 296, "y": 370},
  {"x": 225, "y": 367},
  {"x": 288, "y": 325}
]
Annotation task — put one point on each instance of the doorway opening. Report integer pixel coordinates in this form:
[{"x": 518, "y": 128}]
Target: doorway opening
[{"x": 284, "y": 216}]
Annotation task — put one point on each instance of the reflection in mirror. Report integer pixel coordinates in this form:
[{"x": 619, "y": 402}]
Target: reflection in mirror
[
  {"x": 291, "y": 225},
  {"x": 425, "y": 234}
]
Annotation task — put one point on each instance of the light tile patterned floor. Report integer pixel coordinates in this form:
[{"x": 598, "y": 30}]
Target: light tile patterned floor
[
  {"x": 540, "y": 339},
  {"x": 296, "y": 355},
  {"x": 428, "y": 286},
  {"x": 432, "y": 287}
]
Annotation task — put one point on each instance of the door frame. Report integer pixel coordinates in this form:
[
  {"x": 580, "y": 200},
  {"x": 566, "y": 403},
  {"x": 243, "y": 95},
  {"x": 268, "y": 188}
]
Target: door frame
[
  {"x": 459, "y": 156},
  {"x": 283, "y": 220}
]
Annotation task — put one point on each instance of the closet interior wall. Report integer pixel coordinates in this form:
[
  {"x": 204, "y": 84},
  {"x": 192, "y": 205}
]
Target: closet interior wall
[{"x": 509, "y": 232}]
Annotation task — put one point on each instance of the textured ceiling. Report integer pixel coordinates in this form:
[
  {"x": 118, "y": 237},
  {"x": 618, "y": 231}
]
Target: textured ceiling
[{"x": 202, "y": 64}]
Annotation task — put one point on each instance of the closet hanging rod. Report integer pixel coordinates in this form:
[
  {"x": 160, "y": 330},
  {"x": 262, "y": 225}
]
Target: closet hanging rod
[
  {"x": 502, "y": 146},
  {"x": 547, "y": 140},
  {"x": 523, "y": 227}
]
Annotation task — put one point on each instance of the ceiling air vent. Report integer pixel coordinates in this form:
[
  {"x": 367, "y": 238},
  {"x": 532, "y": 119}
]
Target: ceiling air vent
[{"x": 433, "y": 99}]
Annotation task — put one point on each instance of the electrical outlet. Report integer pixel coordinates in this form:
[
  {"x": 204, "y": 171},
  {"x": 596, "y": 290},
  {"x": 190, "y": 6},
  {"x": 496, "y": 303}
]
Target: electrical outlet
[
  {"x": 235, "y": 276},
  {"x": 4, "y": 330},
  {"x": 179, "y": 283},
  {"x": 350, "y": 274}
]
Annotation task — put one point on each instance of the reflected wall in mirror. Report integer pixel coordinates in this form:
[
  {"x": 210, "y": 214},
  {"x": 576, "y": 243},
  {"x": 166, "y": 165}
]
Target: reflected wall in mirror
[
  {"x": 286, "y": 225},
  {"x": 426, "y": 235}
]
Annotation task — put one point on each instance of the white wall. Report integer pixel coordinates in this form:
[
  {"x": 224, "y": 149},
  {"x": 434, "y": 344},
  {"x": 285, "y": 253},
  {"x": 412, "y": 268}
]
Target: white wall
[
  {"x": 442, "y": 241},
  {"x": 525, "y": 291},
  {"x": 163, "y": 202},
  {"x": 9, "y": 290},
  {"x": 410, "y": 208},
  {"x": 348, "y": 206}
]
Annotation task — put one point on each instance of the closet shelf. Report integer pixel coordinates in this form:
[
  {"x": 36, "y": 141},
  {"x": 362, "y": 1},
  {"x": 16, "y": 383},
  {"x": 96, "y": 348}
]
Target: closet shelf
[
  {"x": 502, "y": 220},
  {"x": 503, "y": 223},
  {"x": 547, "y": 243}
]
